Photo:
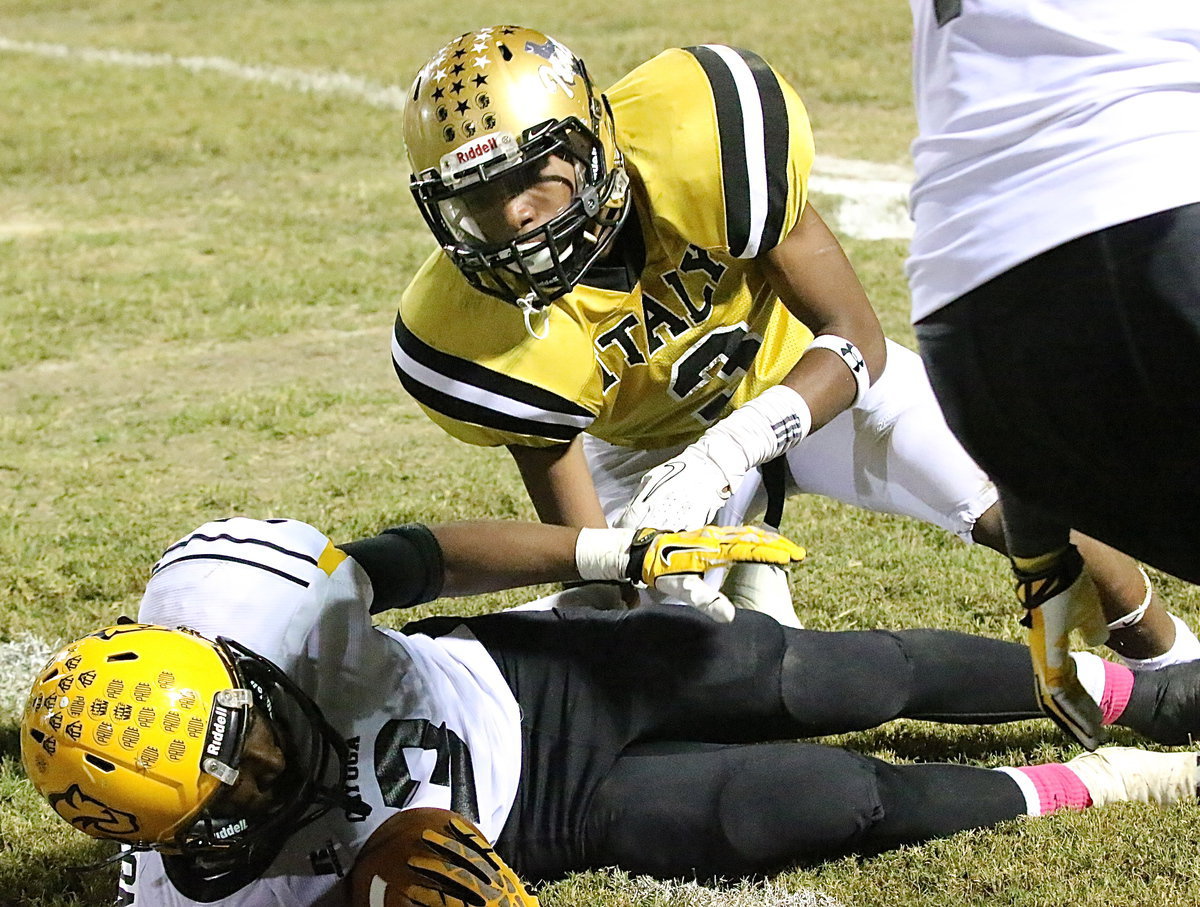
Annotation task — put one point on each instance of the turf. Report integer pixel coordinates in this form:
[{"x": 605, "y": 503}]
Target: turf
[{"x": 204, "y": 230}]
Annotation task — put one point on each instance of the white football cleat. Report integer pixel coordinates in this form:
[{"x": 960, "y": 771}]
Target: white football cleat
[{"x": 1119, "y": 774}]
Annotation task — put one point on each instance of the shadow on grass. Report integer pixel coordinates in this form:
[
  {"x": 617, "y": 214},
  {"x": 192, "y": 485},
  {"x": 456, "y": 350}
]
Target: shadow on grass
[
  {"x": 72, "y": 873},
  {"x": 918, "y": 741},
  {"x": 10, "y": 741}
]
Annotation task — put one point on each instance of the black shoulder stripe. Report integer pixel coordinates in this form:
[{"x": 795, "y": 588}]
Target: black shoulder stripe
[
  {"x": 225, "y": 537},
  {"x": 732, "y": 134},
  {"x": 463, "y": 371},
  {"x": 469, "y": 392},
  {"x": 776, "y": 143},
  {"x": 209, "y": 556},
  {"x": 464, "y": 411},
  {"x": 754, "y": 132}
]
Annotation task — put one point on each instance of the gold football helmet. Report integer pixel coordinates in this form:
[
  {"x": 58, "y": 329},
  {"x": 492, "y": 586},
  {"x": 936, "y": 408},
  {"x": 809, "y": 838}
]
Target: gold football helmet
[
  {"x": 485, "y": 117},
  {"x": 133, "y": 732}
]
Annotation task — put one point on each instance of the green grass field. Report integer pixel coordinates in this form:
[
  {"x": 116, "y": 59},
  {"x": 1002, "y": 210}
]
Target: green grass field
[{"x": 204, "y": 231}]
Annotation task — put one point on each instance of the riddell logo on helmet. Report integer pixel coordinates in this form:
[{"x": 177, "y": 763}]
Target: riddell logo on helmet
[
  {"x": 484, "y": 149},
  {"x": 230, "y": 830},
  {"x": 216, "y": 731}
]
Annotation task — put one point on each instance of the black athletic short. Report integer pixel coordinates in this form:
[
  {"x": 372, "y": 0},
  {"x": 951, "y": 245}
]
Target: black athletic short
[{"x": 1074, "y": 380}]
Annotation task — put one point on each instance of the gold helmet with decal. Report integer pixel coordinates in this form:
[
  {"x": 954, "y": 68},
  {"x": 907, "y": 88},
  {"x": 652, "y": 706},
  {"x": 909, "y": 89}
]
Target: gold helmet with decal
[
  {"x": 484, "y": 118},
  {"x": 133, "y": 732},
  {"x": 116, "y": 730}
]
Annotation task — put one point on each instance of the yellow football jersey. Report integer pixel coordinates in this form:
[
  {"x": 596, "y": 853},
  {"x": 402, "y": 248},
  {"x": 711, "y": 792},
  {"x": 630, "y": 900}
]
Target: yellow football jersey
[{"x": 716, "y": 178}]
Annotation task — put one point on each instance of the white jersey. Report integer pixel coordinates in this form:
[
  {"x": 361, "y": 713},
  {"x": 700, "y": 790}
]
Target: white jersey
[
  {"x": 1041, "y": 121},
  {"x": 428, "y": 721}
]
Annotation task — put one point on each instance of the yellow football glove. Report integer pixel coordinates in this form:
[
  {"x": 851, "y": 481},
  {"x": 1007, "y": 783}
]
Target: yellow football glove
[
  {"x": 657, "y": 553},
  {"x": 674, "y": 562},
  {"x": 1058, "y": 598},
  {"x": 429, "y": 856}
]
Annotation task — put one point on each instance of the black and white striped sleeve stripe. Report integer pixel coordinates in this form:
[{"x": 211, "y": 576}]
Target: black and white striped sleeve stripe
[
  {"x": 211, "y": 543},
  {"x": 468, "y": 392},
  {"x": 752, "y": 121}
]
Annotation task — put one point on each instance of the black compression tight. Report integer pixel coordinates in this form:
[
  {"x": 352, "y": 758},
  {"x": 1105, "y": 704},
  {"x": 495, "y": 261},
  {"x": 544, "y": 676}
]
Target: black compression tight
[
  {"x": 662, "y": 742},
  {"x": 713, "y": 811}
]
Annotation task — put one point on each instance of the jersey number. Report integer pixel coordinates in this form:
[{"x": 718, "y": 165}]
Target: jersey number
[
  {"x": 127, "y": 879},
  {"x": 726, "y": 353},
  {"x": 451, "y": 769}
]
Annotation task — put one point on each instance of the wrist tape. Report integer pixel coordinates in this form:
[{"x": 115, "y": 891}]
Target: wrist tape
[
  {"x": 771, "y": 424},
  {"x": 603, "y": 554}
]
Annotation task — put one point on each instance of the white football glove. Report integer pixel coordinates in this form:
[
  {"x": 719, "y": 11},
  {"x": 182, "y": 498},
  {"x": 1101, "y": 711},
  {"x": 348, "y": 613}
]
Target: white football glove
[
  {"x": 687, "y": 491},
  {"x": 763, "y": 588},
  {"x": 1059, "y": 600},
  {"x": 694, "y": 592},
  {"x": 683, "y": 493}
]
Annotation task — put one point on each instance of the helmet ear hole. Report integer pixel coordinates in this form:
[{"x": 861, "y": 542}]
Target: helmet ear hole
[
  {"x": 96, "y": 762},
  {"x": 123, "y": 656}
]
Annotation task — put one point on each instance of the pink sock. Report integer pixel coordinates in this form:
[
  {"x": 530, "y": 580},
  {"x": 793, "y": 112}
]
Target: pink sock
[
  {"x": 1118, "y": 684},
  {"x": 1050, "y": 787}
]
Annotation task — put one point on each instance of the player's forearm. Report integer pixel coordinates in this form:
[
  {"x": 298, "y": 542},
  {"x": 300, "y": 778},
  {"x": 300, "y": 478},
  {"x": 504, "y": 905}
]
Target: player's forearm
[
  {"x": 413, "y": 564},
  {"x": 816, "y": 282},
  {"x": 487, "y": 556},
  {"x": 826, "y": 385}
]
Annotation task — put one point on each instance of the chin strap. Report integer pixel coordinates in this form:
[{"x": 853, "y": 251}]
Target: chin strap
[
  {"x": 120, "y": 854},
  {"x": 528, "y": 310},
  {"x": 355, "y": 807}
]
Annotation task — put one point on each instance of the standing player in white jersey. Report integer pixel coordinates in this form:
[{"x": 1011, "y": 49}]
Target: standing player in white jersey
[
  {"x": 1056, "y": 280},
  {"x": 636, "y": 282},
  {"x": 249, "y": 758}
]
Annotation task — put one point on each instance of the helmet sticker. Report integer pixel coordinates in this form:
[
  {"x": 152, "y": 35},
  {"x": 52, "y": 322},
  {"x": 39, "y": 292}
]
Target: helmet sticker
[
  {"x": 560, "y": 74},
  {"x": 545, "y": 51},
  {"x": 224, "y": 740},
  {"x": 90, "y": 815},
  {"x": 483, "y": 150}
]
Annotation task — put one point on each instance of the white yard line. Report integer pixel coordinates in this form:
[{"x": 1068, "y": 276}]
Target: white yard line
[
  {"x": 862, "y": 208},
  {"x": 20, "y": 660},
  {"x": 388, "y": 97},
  {"x": 870, "y": 200}
]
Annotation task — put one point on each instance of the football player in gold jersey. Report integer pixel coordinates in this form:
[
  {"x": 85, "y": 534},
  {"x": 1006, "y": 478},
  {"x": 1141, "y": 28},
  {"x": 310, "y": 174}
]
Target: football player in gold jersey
[{"x": 634, "y": 295}]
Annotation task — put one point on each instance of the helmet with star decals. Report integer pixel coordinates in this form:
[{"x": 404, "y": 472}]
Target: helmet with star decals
[{"x": 500, "y": 112}]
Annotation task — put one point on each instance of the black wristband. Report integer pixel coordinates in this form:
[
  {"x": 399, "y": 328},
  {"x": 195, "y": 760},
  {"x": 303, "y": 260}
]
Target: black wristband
[
  {"x": 404, "y": 564},
  {"x": 637, "y": 555}
]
